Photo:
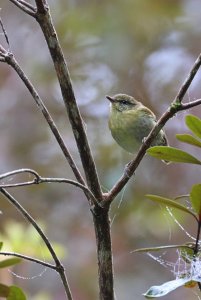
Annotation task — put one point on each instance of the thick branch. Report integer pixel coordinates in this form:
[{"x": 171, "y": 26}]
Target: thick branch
[
  {"x": 104, "y": 254},
  {"x": 41, "y": 6},
  {"x": 44, "y": 19}
]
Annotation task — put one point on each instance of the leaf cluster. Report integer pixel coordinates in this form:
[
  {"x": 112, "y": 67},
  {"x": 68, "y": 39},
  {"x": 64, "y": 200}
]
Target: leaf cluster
[{"x": 190, "y": 252}]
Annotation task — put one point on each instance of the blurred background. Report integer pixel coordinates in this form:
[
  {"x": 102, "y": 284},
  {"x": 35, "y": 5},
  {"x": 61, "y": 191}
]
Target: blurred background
[{"x": 139, "y": 47}]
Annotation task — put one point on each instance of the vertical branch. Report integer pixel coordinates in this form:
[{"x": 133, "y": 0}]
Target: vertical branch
[
  {"x": 104, "y": 254},
  {"x": 45, "y": 22}
]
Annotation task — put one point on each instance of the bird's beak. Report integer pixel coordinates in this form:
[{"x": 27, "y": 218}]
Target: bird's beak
[{"x": 112, "y": 100}]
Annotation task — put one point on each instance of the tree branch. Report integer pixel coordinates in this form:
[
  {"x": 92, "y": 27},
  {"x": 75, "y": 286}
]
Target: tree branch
[
  {"x": 38, "y": 179},
  {"x": 183, "y": 89},
  {"x": 10, "y": 60},
  {"x": 41, "y": 6},
  {"x": 175, "y": 106},
  {"x": 25, "y": 7},
  {"x": 45, "y": 22},
  {"x": 27, "y": 216},
  {"x": 38, "y": 261}
]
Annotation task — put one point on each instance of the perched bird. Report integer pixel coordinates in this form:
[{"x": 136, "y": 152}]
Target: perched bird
[{"x": 130, "y": 122}]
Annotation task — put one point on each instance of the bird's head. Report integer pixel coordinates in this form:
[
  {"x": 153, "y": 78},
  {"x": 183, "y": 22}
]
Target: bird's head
[{"x": 122, "y": 102}]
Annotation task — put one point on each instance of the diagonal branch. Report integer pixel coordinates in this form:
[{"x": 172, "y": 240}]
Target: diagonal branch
[
  {"x": 171, "y": 111},
  {"x": 28, "y": 217},
  {"x": 183, "y": 89},
  {"x": 29, "y": 258},
  {"x": 25, "y": 6},
  {"x": 191, "y": 104},
  {"x": 10, "y": 60},
  {"x": 45, "y": 22}
]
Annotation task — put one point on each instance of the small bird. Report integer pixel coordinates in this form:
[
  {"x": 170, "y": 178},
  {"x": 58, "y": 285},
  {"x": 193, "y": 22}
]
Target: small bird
[{"x": 130, "y": 123}]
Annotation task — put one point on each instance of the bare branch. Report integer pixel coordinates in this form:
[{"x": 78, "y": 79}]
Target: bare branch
[
  {"x": 4, "y": 32},
  {"x": 63, "y": 75},
  {"x": 9, "y": 59},
  {"x": 28, "y": 217},
  {"x": 183, "y": 89},
  {"x": 38, "y": 261},
  {"x": 24, "y": 6},
  {"x": 42, "y": 6},
  {"x": 15, "y": 172},
  {"x": 188, "y": 105},
  {"x": 38, "y": 179},
  {"x": 175, "y": 106}
]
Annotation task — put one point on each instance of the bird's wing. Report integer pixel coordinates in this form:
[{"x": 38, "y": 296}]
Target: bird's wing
[{"x": 148, "y": 112}]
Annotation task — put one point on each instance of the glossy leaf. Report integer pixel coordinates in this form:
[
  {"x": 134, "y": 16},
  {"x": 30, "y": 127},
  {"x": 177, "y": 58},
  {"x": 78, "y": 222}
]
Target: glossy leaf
[
  {"x": 15, "y": 293},
  {"x": 195, "y": 196},
  {"x": 9, "y": 262},
  {"x": 166, "y": 288},
  {"x": 194, "y": 124},
  {"x": 170, "y": 203},
  {"x": 188, "y": 139},
  {"x": 172, "y": 154}
]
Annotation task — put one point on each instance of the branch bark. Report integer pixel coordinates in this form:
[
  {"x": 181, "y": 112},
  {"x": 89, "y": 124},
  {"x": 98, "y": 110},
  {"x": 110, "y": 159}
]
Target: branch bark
[
  {"x": 45, "y": 22},
  {"x": 104, "y": 253}
]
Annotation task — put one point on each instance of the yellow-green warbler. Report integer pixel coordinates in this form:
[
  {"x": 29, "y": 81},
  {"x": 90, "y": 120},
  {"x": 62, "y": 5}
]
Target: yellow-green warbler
[{"x": 130, "y": 122}]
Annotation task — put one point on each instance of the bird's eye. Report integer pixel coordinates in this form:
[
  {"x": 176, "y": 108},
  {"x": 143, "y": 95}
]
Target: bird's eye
[{"x": 124, "y": 102}]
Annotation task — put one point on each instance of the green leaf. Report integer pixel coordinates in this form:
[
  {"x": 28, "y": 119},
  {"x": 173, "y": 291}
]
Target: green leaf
[
  {"x": 171, "y": 203},
  {"x": 194, "y": 124},
  {"x": 15, "y": 293},
  {"x": 166, "y": 288},
  {"x": 1, "y": 245},
  {"x": 4, "y": 290},
  {"x": 188, "y": 139},
  {"x": 172, "y": 154},
  {"x": 159, "y": 248},
  {"x": 9, "y": 262},
  {"x": 195, "y": 196}
]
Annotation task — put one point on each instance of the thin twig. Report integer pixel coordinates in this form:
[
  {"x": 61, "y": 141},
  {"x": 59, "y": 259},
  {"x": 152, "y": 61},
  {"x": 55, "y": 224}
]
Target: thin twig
[
  {"x": 38, "y": 179},
  {"x": 185, "y": 106},
  {"x": 9, "y": 59},
  {"x": 24, "y": 6},
  {"x": 29, "y": 258},
  {"x": 19, "y": 171},
  {"x": 175, "y": 106},
  {"x": 5, "y": 33},
  {"x": 183, "y": 89},
  {"x": 27, "y": 216}
]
